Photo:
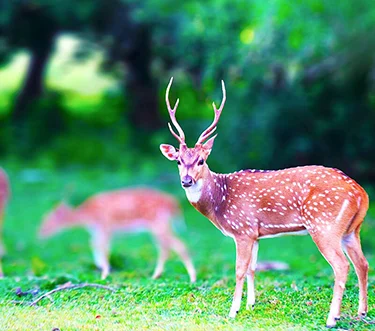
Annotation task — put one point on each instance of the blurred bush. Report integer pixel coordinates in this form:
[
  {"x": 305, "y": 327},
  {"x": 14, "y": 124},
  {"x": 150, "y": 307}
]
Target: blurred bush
[{"x": 299, "y": 77}]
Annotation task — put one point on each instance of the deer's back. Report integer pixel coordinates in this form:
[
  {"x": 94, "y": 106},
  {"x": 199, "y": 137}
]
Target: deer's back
[
  {"x": 131, "y": 208},
  {"x": 300, "y": 182},
  {"x": 312, "y": 197}
]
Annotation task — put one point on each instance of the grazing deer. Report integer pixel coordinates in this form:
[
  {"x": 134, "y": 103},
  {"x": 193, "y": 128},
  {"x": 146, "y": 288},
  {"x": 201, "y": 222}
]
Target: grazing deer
[
  {"x": 252, "y": 204},
  {"x": 4, "y": 195},
  {"x": 123, "y": 210}
]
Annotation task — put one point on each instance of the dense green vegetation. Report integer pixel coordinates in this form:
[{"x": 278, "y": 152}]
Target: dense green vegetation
[
  {"x": 297, "y": 299},
  {"x": 82, "y": 110},
  {"x": 299, "y": 79}
]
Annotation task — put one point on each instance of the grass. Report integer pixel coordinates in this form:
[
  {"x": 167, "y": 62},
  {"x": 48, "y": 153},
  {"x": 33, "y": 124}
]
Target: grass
[{"x": 297, "y": 299}]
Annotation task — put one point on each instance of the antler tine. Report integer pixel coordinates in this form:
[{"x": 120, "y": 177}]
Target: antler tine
[
  {"x": 172, "y": 113},
  {"x": 212, "y": 127}
]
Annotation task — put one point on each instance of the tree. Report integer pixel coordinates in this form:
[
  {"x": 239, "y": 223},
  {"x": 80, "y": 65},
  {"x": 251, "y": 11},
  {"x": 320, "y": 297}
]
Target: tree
[{"x": 33, "y": 28}]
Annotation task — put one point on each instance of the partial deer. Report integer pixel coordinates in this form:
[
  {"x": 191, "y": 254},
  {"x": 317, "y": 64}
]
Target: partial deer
[
  {"x": 252, "y": 204},
  {"x": 123, "y": 210},
  {"x": 4, "y": 196}
]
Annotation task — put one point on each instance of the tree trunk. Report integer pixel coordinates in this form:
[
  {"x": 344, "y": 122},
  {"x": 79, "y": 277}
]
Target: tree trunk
[
  {"x": 142, "y": 90},
  {"x": 132, "y": 46},
  {"x": 33, "y": 83},
  {"x": 143, "y": 102}
]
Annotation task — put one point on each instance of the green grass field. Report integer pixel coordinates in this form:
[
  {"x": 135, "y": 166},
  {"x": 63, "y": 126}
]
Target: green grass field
[{"x": 297, "y": 299}]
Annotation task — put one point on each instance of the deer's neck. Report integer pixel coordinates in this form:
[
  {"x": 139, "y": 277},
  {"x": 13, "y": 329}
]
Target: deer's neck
[
  {"x": 79, "y": 217},
  {"x": 194, "y": 193},
  {"x": 208, "y": 195}
]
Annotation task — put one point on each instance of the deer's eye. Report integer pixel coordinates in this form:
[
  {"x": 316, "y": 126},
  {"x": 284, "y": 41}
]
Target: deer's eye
[
  {"x": 178, "y": 162},
  {"x": 201, "y": 162}
]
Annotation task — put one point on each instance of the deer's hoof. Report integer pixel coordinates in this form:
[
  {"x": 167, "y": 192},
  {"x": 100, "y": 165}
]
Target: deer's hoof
[
  {"x": 331, "y": 323},
  {"x": 362, "y": 314},
  {"x": 233, "y": 314},
  {"x": 104, "y": 275}
]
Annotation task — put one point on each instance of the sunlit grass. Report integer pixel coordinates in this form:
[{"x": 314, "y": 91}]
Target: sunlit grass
[{"x": 297, "y": 299}]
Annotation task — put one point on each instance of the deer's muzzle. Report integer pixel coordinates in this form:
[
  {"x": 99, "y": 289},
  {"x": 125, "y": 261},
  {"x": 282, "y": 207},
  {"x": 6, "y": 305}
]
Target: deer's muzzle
[{"x": 187, "y": 181}]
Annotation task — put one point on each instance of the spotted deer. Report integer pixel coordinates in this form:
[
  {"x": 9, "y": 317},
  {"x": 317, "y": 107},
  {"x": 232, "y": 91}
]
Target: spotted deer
[
  {"x": 4, "y": 196},
  {"x": 249, "y": 205},
  {"x": 125, "y": 210}
]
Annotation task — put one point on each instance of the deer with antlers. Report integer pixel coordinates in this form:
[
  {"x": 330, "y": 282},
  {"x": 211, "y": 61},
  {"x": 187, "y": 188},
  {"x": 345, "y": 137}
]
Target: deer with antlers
[{"x": 252, "y": 204}]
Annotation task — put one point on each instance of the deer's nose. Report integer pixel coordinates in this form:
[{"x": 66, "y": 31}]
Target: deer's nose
[{"x": 187, "y": 181}]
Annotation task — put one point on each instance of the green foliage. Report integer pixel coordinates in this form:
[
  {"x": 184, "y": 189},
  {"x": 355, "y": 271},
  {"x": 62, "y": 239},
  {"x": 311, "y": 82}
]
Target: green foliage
[
  {"x": 32, "y": 136},
  {"x": 299, "y": 80},
  {"x": 300, "y": 90}
]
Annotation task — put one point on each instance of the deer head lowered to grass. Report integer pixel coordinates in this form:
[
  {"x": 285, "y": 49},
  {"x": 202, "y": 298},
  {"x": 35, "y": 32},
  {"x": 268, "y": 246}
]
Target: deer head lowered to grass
[
  {"x": 125, "y": 210},
  {"x": 252, "y": 204}
]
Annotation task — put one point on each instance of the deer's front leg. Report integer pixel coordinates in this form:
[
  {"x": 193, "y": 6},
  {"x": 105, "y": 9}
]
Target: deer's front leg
[
  {"x": 244, "y": 247},
  {"x": 100, "y": 247}
]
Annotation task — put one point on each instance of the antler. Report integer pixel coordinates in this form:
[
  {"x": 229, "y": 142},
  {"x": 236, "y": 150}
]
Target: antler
[
  {"x": 212, "y": 127},
  {"x": 172, "y": 113}
]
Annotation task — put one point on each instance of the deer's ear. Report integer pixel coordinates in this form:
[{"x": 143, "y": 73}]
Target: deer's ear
[
  {"x": 209, "y": 144},
  {"x": 169, "y": 152}
]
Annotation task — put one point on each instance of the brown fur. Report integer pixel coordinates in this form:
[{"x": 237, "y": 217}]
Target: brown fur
[
  {"x": 124, "y": 210},
  {"x": 253, "y": 204}
]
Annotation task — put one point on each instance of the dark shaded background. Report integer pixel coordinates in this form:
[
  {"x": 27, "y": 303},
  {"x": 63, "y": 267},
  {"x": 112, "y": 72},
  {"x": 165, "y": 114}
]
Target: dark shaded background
[{"x": 300, "y": 82}]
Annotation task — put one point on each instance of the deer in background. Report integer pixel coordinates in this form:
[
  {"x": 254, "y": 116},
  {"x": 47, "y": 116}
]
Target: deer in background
[
  {"x": 4, "y": 195},
  {"x": 124, "y": 210},
  {"x": 252, "y": 204}
]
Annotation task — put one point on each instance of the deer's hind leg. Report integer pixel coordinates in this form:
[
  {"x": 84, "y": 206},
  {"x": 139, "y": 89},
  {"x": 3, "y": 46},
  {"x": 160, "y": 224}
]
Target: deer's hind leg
[
  {"x": 352, "y": 246},
  {"x": 163, "y": 255},
  {"x": 167, "y": 242},
  {"x": 331, "y": 249},
  {"x": 179, "y": 247}
]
